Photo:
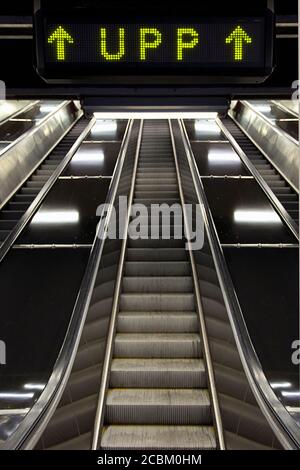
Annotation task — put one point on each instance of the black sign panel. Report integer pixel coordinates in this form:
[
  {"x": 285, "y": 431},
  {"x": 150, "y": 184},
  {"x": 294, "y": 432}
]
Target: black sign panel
[{"x": 80, "y": 48}]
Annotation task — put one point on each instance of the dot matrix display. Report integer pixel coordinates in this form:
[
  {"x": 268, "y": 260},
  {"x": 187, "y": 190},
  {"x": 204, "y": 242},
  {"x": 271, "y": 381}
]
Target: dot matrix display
[{"x": 209, "y": 44}]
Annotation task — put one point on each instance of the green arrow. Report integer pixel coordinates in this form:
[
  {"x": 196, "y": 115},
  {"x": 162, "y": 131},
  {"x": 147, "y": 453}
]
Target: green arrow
[
  {"x": 239, "y": 36},
  {"x": 61, "y": 36}
]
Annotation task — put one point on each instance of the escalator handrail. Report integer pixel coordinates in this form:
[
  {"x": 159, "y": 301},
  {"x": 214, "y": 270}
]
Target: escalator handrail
[
  {"x": 260, "y": 180},
  {"x": 30, "y": 430},
  {"x": 283, "y": 425}
]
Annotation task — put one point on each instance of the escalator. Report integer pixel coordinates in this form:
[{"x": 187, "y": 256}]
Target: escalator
[
  {"x": 282, "y": 190},
  {"x": 12, "y": 212},
  {"x": 158, "y": 396}
]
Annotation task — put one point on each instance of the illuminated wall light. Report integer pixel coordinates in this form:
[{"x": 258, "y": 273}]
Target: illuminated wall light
[
  {"x": 56, "y": 217},
  {"x": 207, "y": 127},
  {"x": 290, "y": 394},
  {"x": 280, "y": 384},
  {"x": 16, "y": 396},
  {"x": 256, "y": 216},
  {"x": 97, "y": 156},
  {"x": 104, "y": 127},
  {"x": 223, "y": 156},
  {"x": 34, "y": 386}
]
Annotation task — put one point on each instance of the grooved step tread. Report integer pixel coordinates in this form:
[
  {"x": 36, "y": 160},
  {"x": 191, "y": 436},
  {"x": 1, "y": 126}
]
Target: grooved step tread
[{"x": 158, "y": 437}]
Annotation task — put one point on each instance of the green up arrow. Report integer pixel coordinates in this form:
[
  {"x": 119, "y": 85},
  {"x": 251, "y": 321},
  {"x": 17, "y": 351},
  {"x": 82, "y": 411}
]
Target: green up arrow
[
  {"x": 239, "y": 36},
  {"x": 61, "y": 36}
]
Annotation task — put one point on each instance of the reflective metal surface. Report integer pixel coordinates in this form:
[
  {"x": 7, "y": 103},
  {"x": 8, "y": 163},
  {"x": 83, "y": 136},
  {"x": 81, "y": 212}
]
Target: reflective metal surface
[
  {"x": 242, "y": 213},
  {"x": 266, "y": 282},
  {"x": 40, "y": 111},
  {"x": 24, "y": 155},
  {"x": 277, "y": 146},
  {"x": 291, "y": 105},
  {"x": 9, "y": 108},
  {"x": 218, "y": 160},
  {"x": 11, "y": 130},
  {"x": 107, "y": 130},
  {"x": 94, "y": 160},
  {"x": 68, "y": 215},
  {"x": 204, "y": 130}
]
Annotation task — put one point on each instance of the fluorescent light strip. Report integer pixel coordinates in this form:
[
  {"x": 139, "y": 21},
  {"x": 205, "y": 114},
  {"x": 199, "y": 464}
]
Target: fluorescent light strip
[
  {"x": 96, "y": 156},
  {"x": 291, "y": 394},
  {"x": 256, "y": 216},
  {"x": 56, "y": 217},
  {"x": 280, "y": 384},
  {"x": 104, "y": 126},
  {"x": 206, "y": 126},
  {"x": 34, "y": 386},
  {"x": 223, "y": 156},
  {"x": 21, "y": 396}
]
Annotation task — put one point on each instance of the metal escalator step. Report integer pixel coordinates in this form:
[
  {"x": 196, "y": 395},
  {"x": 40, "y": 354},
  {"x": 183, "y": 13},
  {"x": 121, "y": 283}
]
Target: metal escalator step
[
  {"x": 157, "y": 302},
  {"x": 156, "y": 284},
  {"x": 158, "y": 437},
  {"x": 34, "y": 184},
  {"x": 155, "y": 186},
  {"x": 18, "y": 206},
  {"x": 30, "y": 191},
  {"x": 4, "y": 234},
  {"x": 159, "y": 254},
  {"x": 7, "y": 225},
  {"x": 160, "y": 194},
  {"x": 158, "y": 406},
  {"x": 164, "y": 373},
  {"x": 41, "y": 178},
  {"x": 10, "y": 215},
  {"x": 155, "y": 322},
  {"x": 24, "y": 198},
  {"x": 163, "y": 345},
  {"x": 156, "y": 200},
  {"x": 156, "y": 268},
  {"x": 156, "y": 243}
]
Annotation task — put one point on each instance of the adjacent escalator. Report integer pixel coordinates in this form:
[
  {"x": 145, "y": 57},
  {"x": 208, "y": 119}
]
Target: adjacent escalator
[
  {"x": 283, "y": 191},
  {"x": 22, "y": 199}
]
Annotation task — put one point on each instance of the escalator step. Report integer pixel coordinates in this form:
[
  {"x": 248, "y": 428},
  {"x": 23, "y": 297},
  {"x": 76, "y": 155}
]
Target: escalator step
[
  {"x": 159, "y": 345},
  {"x": 164, "y": 373},
  {"x": 158, "y": 406},
  {"x": 154, "y": 322}
]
